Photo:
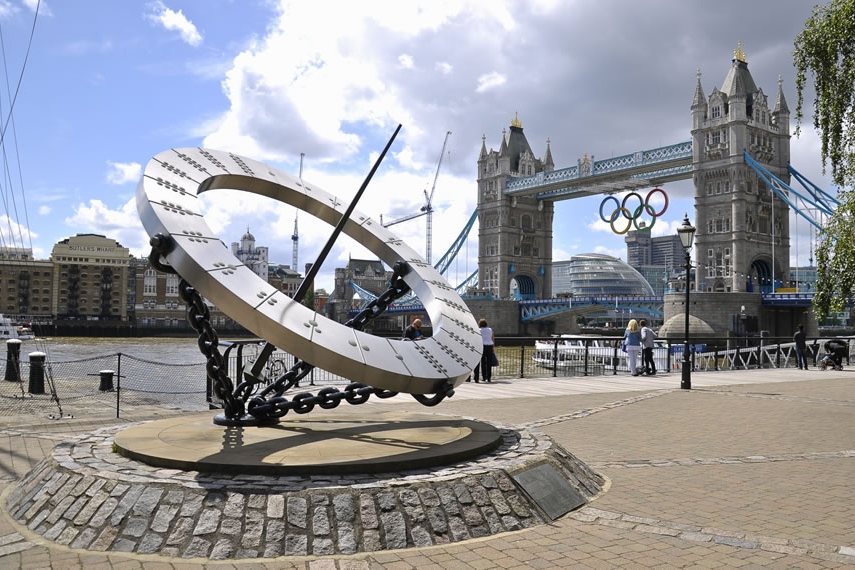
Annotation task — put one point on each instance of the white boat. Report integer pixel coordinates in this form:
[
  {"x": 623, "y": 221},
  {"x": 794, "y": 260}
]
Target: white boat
[
  {"x": 571, "y": 351},
  {"x": 9, "y": 330},
  {"x": 563, "y": 351}
]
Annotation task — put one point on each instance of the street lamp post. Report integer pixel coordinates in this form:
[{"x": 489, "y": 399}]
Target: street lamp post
[{"x": 687, "y": 236}]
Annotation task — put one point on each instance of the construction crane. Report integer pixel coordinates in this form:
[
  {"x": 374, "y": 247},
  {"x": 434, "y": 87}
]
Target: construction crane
[
  {"x": 427, "y": 209},
  {"x": 295, "y": 237}
]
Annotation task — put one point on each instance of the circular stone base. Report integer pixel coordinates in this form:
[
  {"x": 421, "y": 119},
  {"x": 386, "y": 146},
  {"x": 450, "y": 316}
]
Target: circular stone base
[
  {"x": 375, "y": 443},
  {"x": 86, "y": 496}
]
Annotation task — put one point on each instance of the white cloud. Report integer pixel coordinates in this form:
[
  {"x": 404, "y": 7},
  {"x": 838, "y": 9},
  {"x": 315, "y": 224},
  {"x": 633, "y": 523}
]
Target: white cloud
[
  {"x": 122, "y": 224},
  {"x": 123, "y": 172},
  {"x": 406, "y": 61},
  {"x": 490, "y": 81},
  {"x": 14, "y": 234},
  {"x": 444, "y": 67},
  {"x": 40, "y": 5},
  {"x": 175, "y": 21},
  {"x": 7, "y": 8},
  {"x": 44, "y": 210}
]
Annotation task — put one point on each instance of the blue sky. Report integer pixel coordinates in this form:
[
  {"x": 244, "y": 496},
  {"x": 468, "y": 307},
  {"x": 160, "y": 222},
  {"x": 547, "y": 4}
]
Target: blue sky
[{"x": 107, "y": 85}]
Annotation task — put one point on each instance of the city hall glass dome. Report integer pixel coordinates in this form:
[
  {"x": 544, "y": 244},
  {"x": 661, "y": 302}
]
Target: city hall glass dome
[{"x": 594, "y": 275}]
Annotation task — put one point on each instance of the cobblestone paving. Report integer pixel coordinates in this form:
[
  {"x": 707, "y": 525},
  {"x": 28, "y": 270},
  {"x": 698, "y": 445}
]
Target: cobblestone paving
[
  {"x": 756, "y": 474},
  {"x": 86, "y": 496}
]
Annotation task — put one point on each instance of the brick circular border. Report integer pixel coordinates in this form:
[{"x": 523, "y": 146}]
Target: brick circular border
[{"x": 86, "y": 496}]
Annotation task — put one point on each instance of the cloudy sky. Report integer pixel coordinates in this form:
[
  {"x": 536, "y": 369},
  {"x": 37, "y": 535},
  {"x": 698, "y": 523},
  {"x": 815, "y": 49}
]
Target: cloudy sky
[{"x": 94, "y": 89}]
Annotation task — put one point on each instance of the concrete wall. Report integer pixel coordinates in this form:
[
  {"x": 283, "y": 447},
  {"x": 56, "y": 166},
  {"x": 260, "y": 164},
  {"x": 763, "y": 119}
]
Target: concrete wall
[
  {"x": 718, "y": 311},
  {"x": 504, "y": 318}
]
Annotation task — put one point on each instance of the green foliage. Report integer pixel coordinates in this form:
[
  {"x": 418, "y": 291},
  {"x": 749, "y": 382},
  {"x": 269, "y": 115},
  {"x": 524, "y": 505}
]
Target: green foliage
[
  {"x": 835, "y": 259},
  {"x": 309, "y": 299},
  {"x": 826, "y": 49}
]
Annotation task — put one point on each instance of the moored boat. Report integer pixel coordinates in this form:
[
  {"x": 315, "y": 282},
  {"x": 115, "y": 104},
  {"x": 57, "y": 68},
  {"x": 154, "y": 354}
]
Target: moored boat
[{"x": 9, "y": 330}]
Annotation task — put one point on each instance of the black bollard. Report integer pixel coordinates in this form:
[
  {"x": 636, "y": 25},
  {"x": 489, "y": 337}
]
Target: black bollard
[
  {"x": 37, "y": 373},
  {"x": 13, "y": 360},
  {"x": 106, "y": 380}
]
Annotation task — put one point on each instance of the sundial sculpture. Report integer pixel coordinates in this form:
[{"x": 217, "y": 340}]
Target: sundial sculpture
[{"x": 169, "y": 208}]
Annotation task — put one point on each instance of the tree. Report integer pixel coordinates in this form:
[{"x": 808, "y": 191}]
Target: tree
[{"x": 826, "y": 49}]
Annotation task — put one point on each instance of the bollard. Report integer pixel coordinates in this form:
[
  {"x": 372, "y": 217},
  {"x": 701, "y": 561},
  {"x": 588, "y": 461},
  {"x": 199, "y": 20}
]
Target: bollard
[
  {"x": 37, "y": 373},
  {"x": 106, "y": 380},
  {"x": 13, "y": 360}
]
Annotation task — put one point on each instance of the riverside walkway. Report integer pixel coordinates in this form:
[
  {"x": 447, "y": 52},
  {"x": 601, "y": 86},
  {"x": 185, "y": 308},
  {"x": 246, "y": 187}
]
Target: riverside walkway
[{"x": 748, "y": 469}]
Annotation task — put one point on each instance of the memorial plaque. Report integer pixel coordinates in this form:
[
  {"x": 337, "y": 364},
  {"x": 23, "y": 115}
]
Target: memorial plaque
[{"x": 549, "y": 490}]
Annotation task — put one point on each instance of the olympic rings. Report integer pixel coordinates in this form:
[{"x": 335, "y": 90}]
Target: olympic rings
[{"x": 643, "y": 207}]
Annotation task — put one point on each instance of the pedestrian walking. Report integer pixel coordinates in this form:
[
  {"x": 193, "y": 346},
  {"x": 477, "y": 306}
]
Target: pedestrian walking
[
  {"x": 801, "y": 348},
  {"x": 632, "y": 341},
  {"x": 648, "y": 335}
]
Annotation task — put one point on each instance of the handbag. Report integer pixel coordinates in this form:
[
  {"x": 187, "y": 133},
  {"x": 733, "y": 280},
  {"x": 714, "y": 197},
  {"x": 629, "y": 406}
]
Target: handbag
[
  {"x": 623, "y": 347},
  {"x": 494, "y": 360}
]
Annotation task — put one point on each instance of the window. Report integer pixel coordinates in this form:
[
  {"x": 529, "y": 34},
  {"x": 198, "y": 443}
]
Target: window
[
  {"x": 172, "y": 281},
  {"x": 716, "y": 112}
]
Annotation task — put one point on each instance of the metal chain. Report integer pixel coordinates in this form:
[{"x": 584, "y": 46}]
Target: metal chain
[
  {"x": 199, "y": 318},
  {"x": 270, "y": 403}
]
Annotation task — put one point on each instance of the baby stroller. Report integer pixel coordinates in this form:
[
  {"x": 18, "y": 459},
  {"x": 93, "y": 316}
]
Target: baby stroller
[{"x": 835, "y": 350}]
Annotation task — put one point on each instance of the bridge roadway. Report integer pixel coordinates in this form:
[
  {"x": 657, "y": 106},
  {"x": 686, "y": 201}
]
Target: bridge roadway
[
  {"x": 749, "y": 468},
  {"x": 588, "y": 178},
  {"x": 533, "y": 309}
]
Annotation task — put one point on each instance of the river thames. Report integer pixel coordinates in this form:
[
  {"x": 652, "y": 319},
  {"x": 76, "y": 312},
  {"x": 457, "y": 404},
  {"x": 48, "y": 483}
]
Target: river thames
[{"x": 166, "y": 350}]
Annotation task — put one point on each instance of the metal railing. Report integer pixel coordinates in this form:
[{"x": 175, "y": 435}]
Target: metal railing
[
  {"x": 119, "y": 381},
  {"x": 530, "y": 357}
]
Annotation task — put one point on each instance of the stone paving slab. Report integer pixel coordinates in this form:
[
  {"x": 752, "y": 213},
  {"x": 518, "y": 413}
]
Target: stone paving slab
[{"x": 757, "y": 454}]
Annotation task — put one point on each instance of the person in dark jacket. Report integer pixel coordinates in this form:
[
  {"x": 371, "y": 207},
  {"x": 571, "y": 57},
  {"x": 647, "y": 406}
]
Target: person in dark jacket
[
  {"x": 413, "y": 332},
  {"x": 801, "y": 348}
]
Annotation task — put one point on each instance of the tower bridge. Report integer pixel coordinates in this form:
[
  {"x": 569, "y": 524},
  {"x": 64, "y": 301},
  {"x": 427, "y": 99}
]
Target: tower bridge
[{"x": 738, "y": 158}]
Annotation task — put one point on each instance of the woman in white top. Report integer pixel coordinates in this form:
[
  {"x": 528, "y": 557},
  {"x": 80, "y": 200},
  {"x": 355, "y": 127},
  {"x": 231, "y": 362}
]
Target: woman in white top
[{"x": 486, "y": 364}]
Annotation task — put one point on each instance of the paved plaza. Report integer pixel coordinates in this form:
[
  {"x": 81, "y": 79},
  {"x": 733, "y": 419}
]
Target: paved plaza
[{"x": 748, "y": 469}]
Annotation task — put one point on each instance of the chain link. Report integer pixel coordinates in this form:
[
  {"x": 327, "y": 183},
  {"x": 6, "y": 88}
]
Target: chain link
[{"x": 270, "y": 402}]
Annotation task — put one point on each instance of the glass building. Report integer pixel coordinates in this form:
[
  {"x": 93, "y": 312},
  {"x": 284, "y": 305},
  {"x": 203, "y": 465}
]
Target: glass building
[{"x": 597, "y": 275}]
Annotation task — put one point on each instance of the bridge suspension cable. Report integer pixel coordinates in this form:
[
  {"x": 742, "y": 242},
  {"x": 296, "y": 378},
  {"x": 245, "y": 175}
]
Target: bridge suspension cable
[{"x": 814, "y": 197}]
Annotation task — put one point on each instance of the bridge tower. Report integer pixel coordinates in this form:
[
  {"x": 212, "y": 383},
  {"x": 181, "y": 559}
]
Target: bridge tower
[
  {"x": 743, "y": 234},
  {"x": 514, "y": 233}
]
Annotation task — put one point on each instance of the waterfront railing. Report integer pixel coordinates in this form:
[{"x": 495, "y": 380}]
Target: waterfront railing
[{"x": 119, "y": 381}]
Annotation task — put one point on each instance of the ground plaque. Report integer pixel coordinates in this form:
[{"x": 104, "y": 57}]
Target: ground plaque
[{"x": 549, "y": 490}]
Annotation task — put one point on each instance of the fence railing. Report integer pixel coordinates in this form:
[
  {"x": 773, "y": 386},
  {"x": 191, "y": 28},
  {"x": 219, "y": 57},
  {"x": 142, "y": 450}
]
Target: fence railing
[
  {"x": 576, "y": 355},
  {"x": 119, "y": 381}
]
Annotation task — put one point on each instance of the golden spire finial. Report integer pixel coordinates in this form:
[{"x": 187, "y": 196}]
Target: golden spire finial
[
  {"x": 516, "y": 122},
  {"x": 738, "y": 54}
]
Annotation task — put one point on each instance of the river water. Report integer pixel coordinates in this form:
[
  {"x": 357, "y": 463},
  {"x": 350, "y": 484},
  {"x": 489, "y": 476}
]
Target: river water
[{"x": 166, "y": 350}]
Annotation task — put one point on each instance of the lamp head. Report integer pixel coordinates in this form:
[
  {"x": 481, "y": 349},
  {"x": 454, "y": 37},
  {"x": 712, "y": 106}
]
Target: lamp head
[{"x": 686, "y": 233}]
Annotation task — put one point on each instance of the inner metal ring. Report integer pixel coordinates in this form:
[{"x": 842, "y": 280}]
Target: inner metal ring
[{"x": 168, "y": 203}]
